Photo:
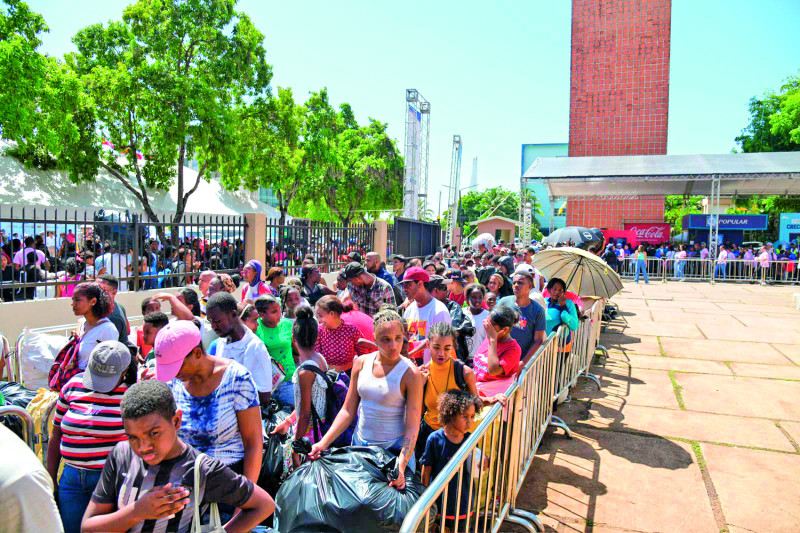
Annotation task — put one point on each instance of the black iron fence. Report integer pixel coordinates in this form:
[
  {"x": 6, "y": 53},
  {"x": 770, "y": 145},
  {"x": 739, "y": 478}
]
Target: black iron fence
[
  {"x": 325, "y": 243},
  {"x": 414, "y": 238},
  {"x": 47, "y": 252}
]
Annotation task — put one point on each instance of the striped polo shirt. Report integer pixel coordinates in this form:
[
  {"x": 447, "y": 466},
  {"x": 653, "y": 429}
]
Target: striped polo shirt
[{"x": 90, "y": 422}]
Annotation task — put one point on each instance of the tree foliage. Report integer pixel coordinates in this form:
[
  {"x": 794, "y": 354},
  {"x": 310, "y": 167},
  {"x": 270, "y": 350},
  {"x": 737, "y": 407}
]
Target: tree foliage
[
  {"x": 476, "y": 205},
  {"x": 774, "y": 121},
  {"x": 162, "y": 86},
  {"x": 677, "y": 206}
]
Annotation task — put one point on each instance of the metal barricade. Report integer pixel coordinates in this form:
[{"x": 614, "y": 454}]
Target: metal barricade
[
  {"x": 14, "y": 360},
  {"x": 653, "y": 266},
  {"x": 688, "y": 268},
  {"x": 751, "y": 271},
  {"x": 25, "y": 418},
  {"x": 487, "y": 465}
]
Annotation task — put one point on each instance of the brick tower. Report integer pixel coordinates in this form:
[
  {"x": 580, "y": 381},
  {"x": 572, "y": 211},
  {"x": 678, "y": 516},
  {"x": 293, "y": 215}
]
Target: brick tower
[{"x": 619, "y": 91}]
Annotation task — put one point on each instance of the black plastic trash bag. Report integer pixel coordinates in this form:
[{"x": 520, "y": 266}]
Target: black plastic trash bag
[
  {"x": 346, "y": 490},
  {"x": 272, "y": 467},
  {"x": 15, "y": 394}
]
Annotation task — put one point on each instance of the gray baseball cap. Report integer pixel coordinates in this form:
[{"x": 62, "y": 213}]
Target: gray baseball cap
[{"x": 107, "y": 362}]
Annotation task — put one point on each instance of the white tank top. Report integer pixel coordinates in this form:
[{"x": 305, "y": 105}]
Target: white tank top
[{"x": 382, "y": 411}]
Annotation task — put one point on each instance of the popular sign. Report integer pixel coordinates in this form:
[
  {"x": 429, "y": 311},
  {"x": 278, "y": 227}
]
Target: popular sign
[
  {"x": 653, "y": 233},
  {"x": 726, "y": 222}
]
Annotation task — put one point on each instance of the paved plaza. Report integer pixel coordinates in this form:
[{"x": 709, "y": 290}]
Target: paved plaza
[{"x": 697, "y": 425}]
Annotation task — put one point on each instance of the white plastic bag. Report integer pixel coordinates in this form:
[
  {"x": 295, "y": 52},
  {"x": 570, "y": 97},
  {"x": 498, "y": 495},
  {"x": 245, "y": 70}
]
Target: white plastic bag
[{"x": 37, "y": 353}]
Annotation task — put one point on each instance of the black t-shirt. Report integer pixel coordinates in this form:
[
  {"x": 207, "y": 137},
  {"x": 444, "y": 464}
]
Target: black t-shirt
[
  {"x": 314, "y": 294},
  {"x": 125, "y": 476},
  {"x": 119, "y": 318}
]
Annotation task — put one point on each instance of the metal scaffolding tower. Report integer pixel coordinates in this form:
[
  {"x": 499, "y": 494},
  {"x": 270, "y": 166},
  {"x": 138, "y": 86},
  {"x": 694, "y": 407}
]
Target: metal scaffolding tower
[
  {"x": 417, "y": 151},
  {"x": 525, "y": 212},
  {"x": 455, "y": 189}
]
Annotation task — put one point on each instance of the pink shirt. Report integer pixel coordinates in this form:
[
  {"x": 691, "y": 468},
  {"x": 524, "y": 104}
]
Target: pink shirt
[
  {"x": 763, "y": 259},
  {"x": 338, "y": 346}
]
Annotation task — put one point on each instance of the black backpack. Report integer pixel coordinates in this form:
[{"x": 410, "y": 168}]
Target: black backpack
[{"x": 337, "y": 385}]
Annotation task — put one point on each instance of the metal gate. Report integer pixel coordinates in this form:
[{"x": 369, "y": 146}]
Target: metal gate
[{"x": 414, "y": 238}]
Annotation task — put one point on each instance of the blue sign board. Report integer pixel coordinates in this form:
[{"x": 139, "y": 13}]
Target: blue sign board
[
  {"x": 790, "y": 227},
  {"x": 727, "y": 222}
]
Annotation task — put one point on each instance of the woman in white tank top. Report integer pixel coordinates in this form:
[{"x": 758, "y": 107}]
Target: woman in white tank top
[{"x": 386, "y": 392}]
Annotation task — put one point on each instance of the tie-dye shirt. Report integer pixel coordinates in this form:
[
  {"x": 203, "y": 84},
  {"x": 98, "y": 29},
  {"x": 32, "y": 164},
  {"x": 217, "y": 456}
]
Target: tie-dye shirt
[{"x": 209, "y": 422}]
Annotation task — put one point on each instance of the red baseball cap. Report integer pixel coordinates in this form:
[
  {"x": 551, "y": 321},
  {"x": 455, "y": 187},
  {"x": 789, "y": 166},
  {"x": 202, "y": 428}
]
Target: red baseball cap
[{"x": 416, "y": 274}]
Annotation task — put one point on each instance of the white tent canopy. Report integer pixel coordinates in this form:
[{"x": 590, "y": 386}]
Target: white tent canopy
[
  {"x": 737, "y": 174},
  {"x": 20, "y": 186}
]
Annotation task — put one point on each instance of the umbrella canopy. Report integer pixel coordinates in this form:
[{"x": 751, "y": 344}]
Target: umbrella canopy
[
  {"x": 483, "y": 238},
  {"x": 578, "y": 236},
  {"x": 584, "y": 273}
]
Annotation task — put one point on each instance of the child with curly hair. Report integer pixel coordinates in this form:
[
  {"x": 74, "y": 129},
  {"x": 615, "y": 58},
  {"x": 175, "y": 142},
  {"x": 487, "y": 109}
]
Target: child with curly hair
[{"x": 457, "y": 410}]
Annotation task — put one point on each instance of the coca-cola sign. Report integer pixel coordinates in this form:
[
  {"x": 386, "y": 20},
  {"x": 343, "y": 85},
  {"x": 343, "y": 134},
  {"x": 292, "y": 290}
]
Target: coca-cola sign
[{"x": 653, "y": 233}]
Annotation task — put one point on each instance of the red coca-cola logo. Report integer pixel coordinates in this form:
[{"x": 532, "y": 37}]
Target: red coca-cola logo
[{"x": 650, "y": 233}]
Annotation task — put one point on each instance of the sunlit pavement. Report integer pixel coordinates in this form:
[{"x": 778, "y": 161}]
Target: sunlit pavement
[{"x": 696, "y": 426}]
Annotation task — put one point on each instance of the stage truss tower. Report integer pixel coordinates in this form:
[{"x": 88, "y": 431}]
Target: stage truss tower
[
  {"x": 416, "y": 154},
  {"x": 455, "y": 189}
]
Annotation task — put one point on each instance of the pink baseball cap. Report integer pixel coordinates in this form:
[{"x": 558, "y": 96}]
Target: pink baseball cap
[
  {"x": 416, "y": 274},
  {"x": 173, "y": 343}
]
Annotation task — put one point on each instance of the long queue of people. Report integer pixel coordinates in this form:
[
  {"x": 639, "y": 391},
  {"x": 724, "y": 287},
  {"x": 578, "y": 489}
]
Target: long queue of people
[
  {"x": 765, "y": 263},
  {"x": 413, "y": 356}
]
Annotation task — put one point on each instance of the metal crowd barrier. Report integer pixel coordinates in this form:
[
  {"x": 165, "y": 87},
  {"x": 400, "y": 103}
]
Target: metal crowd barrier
[
  {"x": 751, "y": 271},
  {"x": 14, "y": 358},
  {"x": 655, "y": 267},
  {"x": 489, "y": 466},
  {"x": 25, "y": 418}
]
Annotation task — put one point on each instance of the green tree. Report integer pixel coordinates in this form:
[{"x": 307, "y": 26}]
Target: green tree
[
  {"x": 476, "y": 205},
  {"x": 269, "y": 147},
  {"x": 774, "y": 121},
  {"x": 165, "y": 82},
  {"x": 357, "y": 170},
  {"x": 677, "y": 206}
]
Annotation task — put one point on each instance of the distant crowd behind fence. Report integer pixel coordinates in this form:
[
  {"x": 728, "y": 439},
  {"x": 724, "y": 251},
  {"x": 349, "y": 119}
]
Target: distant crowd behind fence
[
  {"x": 69, "y": 247},
  {"x": 325, "y": 243},
  {"x": 695, "y": 269}
]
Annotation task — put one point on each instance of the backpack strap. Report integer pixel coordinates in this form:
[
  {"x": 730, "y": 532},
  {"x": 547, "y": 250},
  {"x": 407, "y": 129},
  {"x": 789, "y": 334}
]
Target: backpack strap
[
  {"x": 330, "y": 395},
  {"x": 458, "y": 374}
]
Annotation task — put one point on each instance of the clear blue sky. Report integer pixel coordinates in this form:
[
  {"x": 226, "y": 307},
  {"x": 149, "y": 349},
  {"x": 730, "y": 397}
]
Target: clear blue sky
[{"x": 496, "y": 75}]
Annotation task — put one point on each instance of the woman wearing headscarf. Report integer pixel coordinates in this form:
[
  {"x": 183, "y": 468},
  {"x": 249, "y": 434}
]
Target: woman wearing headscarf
[{"x": 251, "y": 273}]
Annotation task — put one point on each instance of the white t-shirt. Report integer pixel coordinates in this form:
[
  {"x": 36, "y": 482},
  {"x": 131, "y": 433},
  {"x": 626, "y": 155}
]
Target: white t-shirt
[
  {"x": 26, "y": 489},
  {"x": 103, "y": 331},
  {"x": 207, "y": 333},
  {"x": 251, "y": 353},
  {"x": 420, "y": 320},
  {"x": 50, "y": 242},
  {"x": 117, "y": 265},
  {"x": 480, "y": 331}
]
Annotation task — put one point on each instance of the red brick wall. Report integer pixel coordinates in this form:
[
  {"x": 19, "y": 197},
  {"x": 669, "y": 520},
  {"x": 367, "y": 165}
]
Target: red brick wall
[
  {"x": 619, "y": 90},
  {"x": 613, "y": 214},
  {"x": 619, "y": 83}
]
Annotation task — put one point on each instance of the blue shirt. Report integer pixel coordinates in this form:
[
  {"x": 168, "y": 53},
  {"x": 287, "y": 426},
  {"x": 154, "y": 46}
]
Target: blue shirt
[
  {"x": 210, "y": 422},
  {"x": 438, "y": 451},
  {"x": 531, "y": 320}
]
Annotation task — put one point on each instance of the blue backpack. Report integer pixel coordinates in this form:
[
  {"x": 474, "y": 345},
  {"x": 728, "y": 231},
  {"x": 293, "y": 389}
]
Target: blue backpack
[{"x": 337, "y": 385}]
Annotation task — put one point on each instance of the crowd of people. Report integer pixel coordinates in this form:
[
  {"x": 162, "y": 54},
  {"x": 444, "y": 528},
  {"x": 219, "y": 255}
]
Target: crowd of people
[
  {"x": 765, "y": 263},
  {"x": 413, "y": 355},
  {"x": 66, "y": 260}
]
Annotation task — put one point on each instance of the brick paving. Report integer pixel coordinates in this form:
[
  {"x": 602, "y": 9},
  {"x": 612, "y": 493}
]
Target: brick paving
[{"x": 696, "y": 426}]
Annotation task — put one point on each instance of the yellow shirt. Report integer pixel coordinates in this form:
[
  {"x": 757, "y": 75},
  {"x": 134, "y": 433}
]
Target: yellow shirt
[{"x": 440, "y": 379}]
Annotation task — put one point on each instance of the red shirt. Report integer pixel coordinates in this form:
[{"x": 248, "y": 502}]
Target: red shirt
[
  {"x": 338, "y": 346},
  {"x": 364, "y": 324},
  {"x": 458, "y": 298},
  {"x": 509, "y": 354}
]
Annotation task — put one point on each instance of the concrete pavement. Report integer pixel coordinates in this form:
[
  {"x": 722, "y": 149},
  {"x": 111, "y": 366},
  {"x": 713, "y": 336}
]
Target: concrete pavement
[{"x": 696, "y": 426}]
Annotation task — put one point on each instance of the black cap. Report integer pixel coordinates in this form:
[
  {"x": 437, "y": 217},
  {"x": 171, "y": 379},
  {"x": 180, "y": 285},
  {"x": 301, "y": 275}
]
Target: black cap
[
  {"x": 352, "y": 270},
  {"x": 355, "y": 257},
  {"x": 454, "y": 275},
  {"x": 437, "y": 282},
  {"x": 399, "y": 257}
]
